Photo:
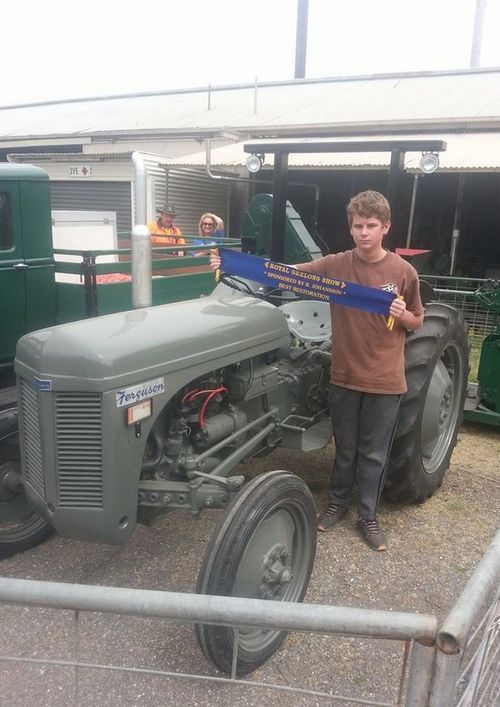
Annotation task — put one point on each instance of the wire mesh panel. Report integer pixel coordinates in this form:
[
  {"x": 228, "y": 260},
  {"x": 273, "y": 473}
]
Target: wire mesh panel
[
  {"x": 467, "y": 668},
  {"x": 479, "y": 682},
  {"x": 459, "y": 293},
  {"x": 83, "y": 681}
]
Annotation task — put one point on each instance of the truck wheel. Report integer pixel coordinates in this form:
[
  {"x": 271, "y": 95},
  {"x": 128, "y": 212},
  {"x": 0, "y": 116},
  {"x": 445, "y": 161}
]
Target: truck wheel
[
  {"x": 264, "y": 548},
  {"x": 20, "y": 526},
  {"x": 437, "y": 367}
]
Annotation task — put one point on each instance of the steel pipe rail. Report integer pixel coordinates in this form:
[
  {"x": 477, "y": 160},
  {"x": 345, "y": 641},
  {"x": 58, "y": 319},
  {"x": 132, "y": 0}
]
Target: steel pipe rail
[
  {"x": 452, "y": 636},
  {"x": 224, "y": 611},
  {"x": 442, "y": 291}
]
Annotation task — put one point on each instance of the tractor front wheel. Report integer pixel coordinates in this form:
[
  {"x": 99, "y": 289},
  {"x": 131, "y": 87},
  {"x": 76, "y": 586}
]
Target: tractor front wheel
[{"x": 264, "y": 548}]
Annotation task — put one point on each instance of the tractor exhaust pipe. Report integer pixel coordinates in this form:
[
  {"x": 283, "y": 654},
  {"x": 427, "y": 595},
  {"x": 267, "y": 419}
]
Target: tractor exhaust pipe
[{"x": 141, "y": 268}]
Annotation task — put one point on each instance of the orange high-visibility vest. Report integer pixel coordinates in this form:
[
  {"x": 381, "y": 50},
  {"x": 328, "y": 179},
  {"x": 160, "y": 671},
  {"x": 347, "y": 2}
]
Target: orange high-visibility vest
[{"x": 165, "y": 236}]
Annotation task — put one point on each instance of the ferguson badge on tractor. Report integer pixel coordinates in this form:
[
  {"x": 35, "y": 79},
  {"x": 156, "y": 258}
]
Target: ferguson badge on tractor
[{"x": 128, "y": 415}]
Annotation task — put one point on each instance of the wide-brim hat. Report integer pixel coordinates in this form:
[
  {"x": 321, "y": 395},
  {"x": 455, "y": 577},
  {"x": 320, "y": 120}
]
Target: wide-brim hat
[{"x": 166, "y": 209}]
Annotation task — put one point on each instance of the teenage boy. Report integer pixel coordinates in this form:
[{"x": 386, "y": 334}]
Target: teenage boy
[{"x": 368, "y": 365}]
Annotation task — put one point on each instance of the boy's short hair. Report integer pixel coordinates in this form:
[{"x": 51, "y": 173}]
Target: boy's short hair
[{"x": 369, "y": 203}]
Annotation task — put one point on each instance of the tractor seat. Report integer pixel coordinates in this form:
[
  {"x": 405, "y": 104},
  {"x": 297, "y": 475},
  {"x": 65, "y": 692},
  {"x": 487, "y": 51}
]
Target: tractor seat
[{"x": 308, "y": 320}]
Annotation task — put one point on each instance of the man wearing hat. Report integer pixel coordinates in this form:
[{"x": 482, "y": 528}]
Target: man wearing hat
[{"x": 163, "y": 232}]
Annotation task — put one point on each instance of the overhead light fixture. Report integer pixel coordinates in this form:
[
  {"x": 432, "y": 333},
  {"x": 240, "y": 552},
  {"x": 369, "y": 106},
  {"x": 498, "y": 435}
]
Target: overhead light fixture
[
  {"x": 254, "y": 163},
  {"x": 429, "y": 162}
]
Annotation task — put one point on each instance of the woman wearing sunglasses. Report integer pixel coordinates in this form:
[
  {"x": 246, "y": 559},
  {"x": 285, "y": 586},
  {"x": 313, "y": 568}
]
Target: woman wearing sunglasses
[
  {"x": 210, "y": 230},
  {"x": 211, "y": 226}
]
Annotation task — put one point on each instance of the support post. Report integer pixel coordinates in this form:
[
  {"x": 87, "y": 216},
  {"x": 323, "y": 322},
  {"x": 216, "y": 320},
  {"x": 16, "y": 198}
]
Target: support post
[
  {"x": 444, "y": 684},
  {"x": 280, "y": 184},
  {"x": 396, "y": 170},
  {"x": 89, "y": 284},
  {"x": 455, "y": 234},
  {"x": 301, "y": 39},
  {"x": 477, "y": 36},
  {"x": 412, "y": 210},
  {"x": 420, "y": 676}
]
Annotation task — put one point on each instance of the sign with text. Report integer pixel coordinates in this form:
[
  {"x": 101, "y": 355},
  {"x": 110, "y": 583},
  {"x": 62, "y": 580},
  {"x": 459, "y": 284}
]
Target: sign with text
[{"x": 81, "y": 170}]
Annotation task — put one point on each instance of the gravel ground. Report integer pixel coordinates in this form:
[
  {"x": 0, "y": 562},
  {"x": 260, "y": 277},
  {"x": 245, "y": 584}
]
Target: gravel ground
[{"x": 433, "y": 550}]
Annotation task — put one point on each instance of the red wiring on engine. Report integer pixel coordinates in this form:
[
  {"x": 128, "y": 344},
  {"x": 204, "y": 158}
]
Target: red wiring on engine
[
  {"x": 211, "y": 394},
  {"x": 189, "y": 394},
  {"x": 192, "y": 394}
]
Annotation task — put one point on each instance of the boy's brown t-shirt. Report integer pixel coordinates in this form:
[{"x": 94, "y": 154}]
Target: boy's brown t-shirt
[{"x": 367, "y": 356}]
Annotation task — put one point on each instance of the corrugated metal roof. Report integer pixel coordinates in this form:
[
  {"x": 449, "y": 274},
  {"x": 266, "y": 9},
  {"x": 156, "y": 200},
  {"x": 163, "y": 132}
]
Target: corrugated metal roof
[
  {"x": 465, "y": 151},
  {"x": 398, "y": 99},
  {"x": 69, "y": 156}
]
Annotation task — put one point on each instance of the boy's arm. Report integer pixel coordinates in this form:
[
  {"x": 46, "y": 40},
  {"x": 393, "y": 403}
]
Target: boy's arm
[{"x": 312, "y": 266}]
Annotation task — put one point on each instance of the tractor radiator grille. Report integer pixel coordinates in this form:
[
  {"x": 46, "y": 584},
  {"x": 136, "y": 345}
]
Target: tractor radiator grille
[
  {"x": 33, "y": 467},
  {"x": 79, "y": 450}
]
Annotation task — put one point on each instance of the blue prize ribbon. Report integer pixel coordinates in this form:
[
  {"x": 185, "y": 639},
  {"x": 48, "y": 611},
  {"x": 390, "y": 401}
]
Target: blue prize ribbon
[{"x": 307, "y": 285}]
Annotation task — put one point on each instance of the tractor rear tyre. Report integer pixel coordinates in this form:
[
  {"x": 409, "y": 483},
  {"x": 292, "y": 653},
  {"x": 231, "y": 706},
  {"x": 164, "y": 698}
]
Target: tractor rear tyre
[
  {"x": 21, "y": 527},
  {"x": 264, "y": 548},
  {"x": 437, "y": 367}
]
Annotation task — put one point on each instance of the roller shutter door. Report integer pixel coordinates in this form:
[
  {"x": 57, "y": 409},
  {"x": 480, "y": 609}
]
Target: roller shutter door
[
  {"x": 192, "y": 195},
  {"x": 95, "y": 196}
]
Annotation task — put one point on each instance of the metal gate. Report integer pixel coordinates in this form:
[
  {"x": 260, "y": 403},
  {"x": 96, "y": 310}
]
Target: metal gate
[{"x": 436, "y": 668}]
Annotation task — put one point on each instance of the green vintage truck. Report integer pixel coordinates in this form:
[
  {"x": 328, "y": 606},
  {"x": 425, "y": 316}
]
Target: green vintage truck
[
  {"x": 33, "y": 297},
  {"x": 126, "y": 416}
]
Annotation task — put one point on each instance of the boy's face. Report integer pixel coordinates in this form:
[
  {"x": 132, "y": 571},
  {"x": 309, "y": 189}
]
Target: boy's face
[{"x": 368, "y": 233}]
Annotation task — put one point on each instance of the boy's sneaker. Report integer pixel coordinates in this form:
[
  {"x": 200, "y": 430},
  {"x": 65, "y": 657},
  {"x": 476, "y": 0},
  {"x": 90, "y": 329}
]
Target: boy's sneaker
[
  {"x": 372, "y": 533},
  {"x": 331, "y": 517}
]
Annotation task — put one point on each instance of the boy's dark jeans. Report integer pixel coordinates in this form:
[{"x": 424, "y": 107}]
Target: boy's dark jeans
[{"x": 363, "y": 428}]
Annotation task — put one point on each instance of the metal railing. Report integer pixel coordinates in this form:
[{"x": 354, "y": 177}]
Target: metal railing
[
  {"x": 417, "y": 632},
  {"x": 462, "y": 670},
  {"x": 459, "y": 293},
  {"x": 479, "y": 681},
  {"x": 106, "y": 276},
  {"x": 467, "y": 670}
]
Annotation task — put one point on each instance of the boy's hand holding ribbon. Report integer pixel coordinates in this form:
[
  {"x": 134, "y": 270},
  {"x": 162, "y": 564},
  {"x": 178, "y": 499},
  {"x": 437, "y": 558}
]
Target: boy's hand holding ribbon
[{"x": 396, "y": 311}]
